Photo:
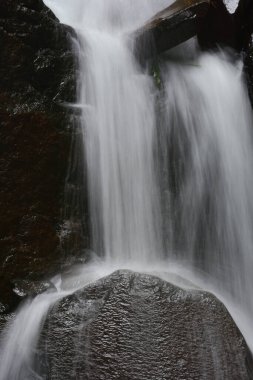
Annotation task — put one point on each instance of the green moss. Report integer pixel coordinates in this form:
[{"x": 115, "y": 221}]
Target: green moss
[{"x": 156, "y": 74}]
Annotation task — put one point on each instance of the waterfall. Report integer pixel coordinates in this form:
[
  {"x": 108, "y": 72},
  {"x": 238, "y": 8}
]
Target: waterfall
[
  {"x": 119, "y": 130},
  {"x": 22, "y": 336},
  {"x": 208, "y": 153},
  {"x": 170, "y": 167}
]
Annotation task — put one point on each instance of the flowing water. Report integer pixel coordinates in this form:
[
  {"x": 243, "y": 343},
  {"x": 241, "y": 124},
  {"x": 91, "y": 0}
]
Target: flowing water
[
  {"x": 207, "y": 133},
  {"x": 231, "y": 5},
  {"x": 170, "y": 167},
  {"x": 119, "y": 126}
]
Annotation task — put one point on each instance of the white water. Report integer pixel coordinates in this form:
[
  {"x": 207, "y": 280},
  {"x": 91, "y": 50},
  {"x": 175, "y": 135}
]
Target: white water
[
  {"x": 20, "y": 340},
  {"x": 231, "y": 5},
  {"x": 118, "y": 128},
  {"x": 207, "y": 108},
  {"x": 139, "y": 221}
]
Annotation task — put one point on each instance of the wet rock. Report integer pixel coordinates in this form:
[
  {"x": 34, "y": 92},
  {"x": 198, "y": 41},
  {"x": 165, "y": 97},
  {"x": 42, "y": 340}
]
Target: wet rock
[
  {"x": 244, "y": 20},
  {"x": 37, "y": 75},
  {"x": 220, "y": 28},
  {"x": 211, "y": 21},
  {"x": 244, "y": 23},
  {"x": 248, "y": 65},
  {"x": 217, "y": 28},
  {"x": 137, "y": 326},
  {"x": 170, "y": 27},
  {"x": 26, "y": 288},
  {"x": 5, "y": 319}
]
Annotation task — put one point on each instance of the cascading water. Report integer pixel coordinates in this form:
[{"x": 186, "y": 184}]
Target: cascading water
[
  {"x": 118, "y": 136},
  {"x": 206, "y": 128},
  {"x": 169, "y": 169},
  {"x": 119, "y": 131}
]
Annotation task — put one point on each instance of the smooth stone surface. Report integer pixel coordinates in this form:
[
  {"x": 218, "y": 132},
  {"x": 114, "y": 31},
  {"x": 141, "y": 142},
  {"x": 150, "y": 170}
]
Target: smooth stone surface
[{"x": 132, "y": 326}]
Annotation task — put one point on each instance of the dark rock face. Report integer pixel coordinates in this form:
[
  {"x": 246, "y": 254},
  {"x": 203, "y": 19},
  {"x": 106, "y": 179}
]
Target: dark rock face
[
  {"x": 136, "y": 326},
  {"x": 217, "y": 28},
  {"x": 248, "y": 65},
  {"x": 244, "y": 18},
  {"x": 37, "y": 74},
  {"x": 244, "y": 22},
  {"x": 220, "y": 28}
]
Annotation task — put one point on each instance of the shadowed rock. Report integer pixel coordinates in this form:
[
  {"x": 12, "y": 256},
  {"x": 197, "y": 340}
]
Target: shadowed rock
[
  {"x": 217, "y": 28},
  {"x": 131, "y": 326},
  {"x": 170, "y": 27},
  {"x": 37, "y": 75},
  {"x": 244, "y": 22}
]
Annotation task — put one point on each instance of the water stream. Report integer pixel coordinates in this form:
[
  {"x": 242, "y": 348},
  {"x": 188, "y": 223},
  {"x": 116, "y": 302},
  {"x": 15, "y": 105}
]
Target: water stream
[{"x": 170, "y": 168}]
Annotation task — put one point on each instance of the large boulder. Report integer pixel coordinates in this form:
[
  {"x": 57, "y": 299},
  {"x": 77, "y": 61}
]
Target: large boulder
[
  {"x": 37, "y": 76},
  {"x": 132, "y": 326}
]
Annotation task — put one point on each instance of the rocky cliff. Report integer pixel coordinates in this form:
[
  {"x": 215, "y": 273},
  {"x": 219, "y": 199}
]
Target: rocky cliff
[{"x": 37, "y": 75}]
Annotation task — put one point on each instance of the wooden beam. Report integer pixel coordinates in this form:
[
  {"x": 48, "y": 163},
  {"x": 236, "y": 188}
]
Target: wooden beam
[{"x": 170, "y": 27}]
